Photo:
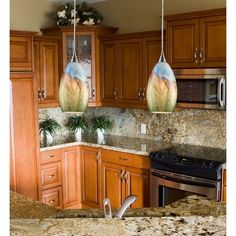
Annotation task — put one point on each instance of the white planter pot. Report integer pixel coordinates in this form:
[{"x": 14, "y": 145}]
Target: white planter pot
[
  {"x": 78, "y": 135},
  {"x": 100, "y": 133}
]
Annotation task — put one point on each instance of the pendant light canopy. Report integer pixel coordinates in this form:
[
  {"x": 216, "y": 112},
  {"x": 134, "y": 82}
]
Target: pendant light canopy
[
  {"x": 162, "y": 88},
  {"x": 73, "y": 90}
]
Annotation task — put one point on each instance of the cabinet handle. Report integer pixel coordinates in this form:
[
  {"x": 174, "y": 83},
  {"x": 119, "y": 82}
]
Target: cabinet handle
[
  {"x": 139, "y": 94},
  {"x": 122, "y": 175},
  {"x": 144, "y": 94},
  {"x": 93, "y": 93},
  {"x": 51, "y": 201},
  {"x": 124, "y": 159},
  {"x": 49, "y": 157},
  {"x": 201, "y": 56},
  {"x": 115, "y": 93},
  {"x": 39, "y": 94},
  {"x": 50, "y": 176},
  {"x": 195, "y": 55},
  {"x": 43, "y": 94},
  {"x": 126, "y": 176}
]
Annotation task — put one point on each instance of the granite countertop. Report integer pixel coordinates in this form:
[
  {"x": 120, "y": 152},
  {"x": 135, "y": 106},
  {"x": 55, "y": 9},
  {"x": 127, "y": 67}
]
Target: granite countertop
[{"x": 193, "y": 215}]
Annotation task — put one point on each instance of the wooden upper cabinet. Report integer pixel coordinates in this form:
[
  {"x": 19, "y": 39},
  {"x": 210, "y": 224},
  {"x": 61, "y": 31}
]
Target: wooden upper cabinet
[
  {"x": 71, "y": 177},
  {"x": 46, "y": 70},
  {"x": 183, "y": 43},
  {"x": 197, "y": 39},
  {"x": 90, "y": 176},
  {"x": 109, "y": 87},
  {"x": 130, "y": 70},
  {"x": 213, "y": 41},
  {"x": 112, "y": 185},
  {"x": 21, "y": 51},
  {"x": 88, "y": 51},
  {"x": 24, "y": 132}
]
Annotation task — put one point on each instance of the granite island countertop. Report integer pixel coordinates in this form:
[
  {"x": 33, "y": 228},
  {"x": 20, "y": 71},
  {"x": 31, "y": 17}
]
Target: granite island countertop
[{"x": 193, "y": 215}]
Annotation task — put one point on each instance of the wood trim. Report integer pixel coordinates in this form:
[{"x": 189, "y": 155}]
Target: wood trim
[
  {"x": 195, "y": 14},
  {"x": 195, "y": 73},
  {"x": 181, "y": 105},
  {"x": 22, "y": 33}
]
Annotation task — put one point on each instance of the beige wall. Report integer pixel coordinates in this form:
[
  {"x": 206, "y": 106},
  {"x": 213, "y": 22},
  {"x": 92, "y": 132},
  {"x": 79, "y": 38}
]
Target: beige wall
[
  {"x": 29, "y": 14},
  {"x": 144, "y": 15}
]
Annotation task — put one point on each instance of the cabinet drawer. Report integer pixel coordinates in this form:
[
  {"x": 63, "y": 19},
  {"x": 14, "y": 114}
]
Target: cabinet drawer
[
  {"x": 126, "y": 159},
  {"x": 51, "y": 175},
  {"x": 52, "y": 197},
  {"x": 50, "y": 156}
]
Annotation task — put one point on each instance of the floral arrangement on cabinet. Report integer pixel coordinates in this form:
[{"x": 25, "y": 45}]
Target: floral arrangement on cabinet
[{"x": 85, "y": 15}]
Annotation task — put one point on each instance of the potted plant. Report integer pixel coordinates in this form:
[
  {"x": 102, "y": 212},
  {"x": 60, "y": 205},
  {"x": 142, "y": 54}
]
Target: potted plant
[
  {"x": 76, "y": 124},
  {"x": 47, "y": 128},
  {"x": 100, "y": 124}
]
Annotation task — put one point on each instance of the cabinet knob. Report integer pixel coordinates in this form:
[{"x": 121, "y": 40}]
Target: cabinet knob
[
  {"x": 39, "y": 94},
  {"x": 144, "y": 94},
  {"x": 195, "y": 55},
  {"x": 139, "y": 94},
  {"x": 51, "y": 176},
  {"x": 51, "y": 201},
  {"x": 115, "y": 93},
  {"x": 49, "y": 157},
  {"x": 201, "y": 56}
]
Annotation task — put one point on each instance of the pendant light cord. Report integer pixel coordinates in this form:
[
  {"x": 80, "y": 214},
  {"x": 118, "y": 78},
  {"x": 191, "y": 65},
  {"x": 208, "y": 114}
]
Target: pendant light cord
[
  {"x": 74, "y": 51},
  {"x": 162, "y": 56}
]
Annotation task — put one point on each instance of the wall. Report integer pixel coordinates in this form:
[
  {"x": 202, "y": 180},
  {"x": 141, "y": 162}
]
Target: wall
[
  {"x": 30, "y": 15},
  {"x": 199, "y": 127},
  {"x": 140, "y": 15}
]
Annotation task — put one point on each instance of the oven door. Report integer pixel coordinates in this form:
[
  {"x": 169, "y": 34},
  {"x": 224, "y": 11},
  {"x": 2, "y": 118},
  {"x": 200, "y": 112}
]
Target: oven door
[{"x": 166, "y": 187}]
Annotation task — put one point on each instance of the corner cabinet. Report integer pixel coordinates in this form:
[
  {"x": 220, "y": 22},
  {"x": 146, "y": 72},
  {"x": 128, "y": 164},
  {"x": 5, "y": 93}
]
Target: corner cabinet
[
  {"x": 46, "y": 70},
  {"x": 126, "y": 63},
  {"x": 197, "y": 39},
  {"x": 88, "y": 51}
]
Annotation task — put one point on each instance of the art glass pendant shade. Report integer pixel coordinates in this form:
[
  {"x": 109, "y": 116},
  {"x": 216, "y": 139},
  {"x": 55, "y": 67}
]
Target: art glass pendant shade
[
  {"x": 73, "y": 90},
  {"x": 161, "y": 89}
]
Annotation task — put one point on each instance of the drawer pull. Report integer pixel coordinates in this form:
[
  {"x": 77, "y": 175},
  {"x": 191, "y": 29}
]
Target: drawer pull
[
  {"x": 124, "y": 159},
  {"x": 51, "y": 201},
  {"x": 49, "y": 157},
  {"x": 50, "y": 176}
]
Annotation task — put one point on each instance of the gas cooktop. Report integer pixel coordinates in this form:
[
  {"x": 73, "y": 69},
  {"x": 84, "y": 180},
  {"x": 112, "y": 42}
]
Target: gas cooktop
[{"x": 190, "y": 160}]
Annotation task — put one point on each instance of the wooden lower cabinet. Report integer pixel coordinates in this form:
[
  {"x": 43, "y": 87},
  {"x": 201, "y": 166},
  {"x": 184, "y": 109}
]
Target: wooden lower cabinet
[
  {"x": 71, "y": 177},
  {"x": 138, "y": 184},
  {"x": 90, "y": 177},
  {"x": 52, "y": 197},
  {"x": 112, "y": 185}
]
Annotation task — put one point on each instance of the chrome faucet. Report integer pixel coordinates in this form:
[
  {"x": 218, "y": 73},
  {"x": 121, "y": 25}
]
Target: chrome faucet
[{"x": 127, "y": 202}]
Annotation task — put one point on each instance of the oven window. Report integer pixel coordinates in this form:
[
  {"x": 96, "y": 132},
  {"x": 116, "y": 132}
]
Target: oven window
[
  {"x": 197, "y": 91},
  {"x": 168, "y": 195}
]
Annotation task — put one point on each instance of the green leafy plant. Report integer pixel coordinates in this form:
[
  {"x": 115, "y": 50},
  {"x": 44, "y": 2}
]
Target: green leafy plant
[
  {"x": 101, "y": 122},
  {"x": 48, "y": 125},
  {"x": 75, "y": 122}
]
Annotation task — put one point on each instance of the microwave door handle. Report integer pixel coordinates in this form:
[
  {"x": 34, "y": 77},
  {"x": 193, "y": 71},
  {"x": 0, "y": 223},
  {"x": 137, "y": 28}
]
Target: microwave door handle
[{"x": 220, "y": 93}]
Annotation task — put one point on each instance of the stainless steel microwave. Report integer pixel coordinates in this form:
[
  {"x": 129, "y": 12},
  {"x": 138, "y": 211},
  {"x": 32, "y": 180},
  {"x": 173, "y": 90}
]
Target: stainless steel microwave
[{"x": 201, "y": 88}]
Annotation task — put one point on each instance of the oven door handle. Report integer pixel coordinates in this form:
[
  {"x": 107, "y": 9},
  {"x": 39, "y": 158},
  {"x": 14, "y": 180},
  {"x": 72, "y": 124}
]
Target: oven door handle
[{"x": 183, "y": 178}]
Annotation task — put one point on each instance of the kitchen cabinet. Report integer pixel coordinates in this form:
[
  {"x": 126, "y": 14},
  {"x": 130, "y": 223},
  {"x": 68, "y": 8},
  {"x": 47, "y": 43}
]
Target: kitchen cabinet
[
  {"x": 24, "y": 132},
  {"x": 46, "y": 70},
  {"x": 124, "y": 174},
  {"x": 71, "y": 177},
  {"x": 21, "y": 53},
  {"x": 223, "y": 186},
  {"x": 197, "y": 40},
  {"x": 90, "y": 177},
  {"x": 53, "y": 197},
  {"x": 88, "y": 51},
  {"x": 126, "y": 63}
]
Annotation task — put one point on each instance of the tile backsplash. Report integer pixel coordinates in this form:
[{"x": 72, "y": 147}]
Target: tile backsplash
[{"x": 190, "y": 126}]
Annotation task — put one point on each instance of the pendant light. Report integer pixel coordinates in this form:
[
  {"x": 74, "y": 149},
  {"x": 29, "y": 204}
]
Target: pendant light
[
  {"x": 161, "y": 88},
  {"x": 73, "y": 90}
]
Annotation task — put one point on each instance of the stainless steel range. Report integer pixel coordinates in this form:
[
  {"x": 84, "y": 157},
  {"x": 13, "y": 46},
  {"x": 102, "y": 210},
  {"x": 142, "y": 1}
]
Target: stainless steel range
[{"x": 182, "y": 170}]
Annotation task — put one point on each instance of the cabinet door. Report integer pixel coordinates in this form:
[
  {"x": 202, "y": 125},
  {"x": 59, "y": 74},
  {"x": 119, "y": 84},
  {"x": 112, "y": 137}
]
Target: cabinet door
[
  {"x": 109, "y": 87},
  {"x": 213, "y": 41},
  {"x": 151, "y": 54},
  {"x": 90, "y": 176},
  {"x": 85, "y": 50},
  {"x": 130, "y": 71},
  {"x": 113, "y": 187},
  {"x": 49, "y": 72},
  {"x": 71, "y": 177},
  {"x": 183, "y": 43},
  {"x": 137, "y": 181},
  {"x": 24, "y": 133}
]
